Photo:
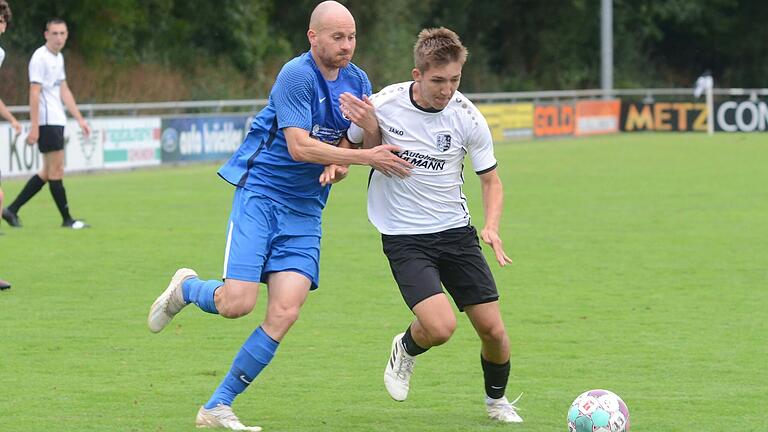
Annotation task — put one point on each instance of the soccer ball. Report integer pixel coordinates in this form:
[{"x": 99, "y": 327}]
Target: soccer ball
[{"x": 598, "y": 411}]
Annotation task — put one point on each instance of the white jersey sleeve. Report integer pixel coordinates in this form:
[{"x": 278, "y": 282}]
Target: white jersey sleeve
[
  {"x": 480, "y": 146},
  {"x": 355, "y": 134},
  {"x": 2, "y": 57},
  {"x": 37, "y": 69}
]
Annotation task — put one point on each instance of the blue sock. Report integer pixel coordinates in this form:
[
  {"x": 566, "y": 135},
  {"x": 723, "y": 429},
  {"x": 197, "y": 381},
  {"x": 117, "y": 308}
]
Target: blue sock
[
  {"x": 253, "y": 357},
  {"x": 201, "y": 292}
]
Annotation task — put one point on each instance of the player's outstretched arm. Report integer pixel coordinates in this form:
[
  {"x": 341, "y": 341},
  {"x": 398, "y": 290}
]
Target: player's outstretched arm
[
  {"x": 304, "y": 148},
  {"x": 493, "y": 203}
]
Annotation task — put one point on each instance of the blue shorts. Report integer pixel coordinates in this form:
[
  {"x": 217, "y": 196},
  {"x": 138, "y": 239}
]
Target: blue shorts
[{"x": 265, "y": 236}]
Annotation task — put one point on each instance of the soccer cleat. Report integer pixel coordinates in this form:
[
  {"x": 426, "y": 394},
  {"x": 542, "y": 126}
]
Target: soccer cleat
[
  {"x": 503, "y": 410},
  {"x": 170, "y": 302},
  {"x": 74, "y": 224},
  {"x": 4, "y": 285},
  {"x": 397, "y": 374},
  {"x": 12, "y": 218},
  {"x": 221, "y": 416}
]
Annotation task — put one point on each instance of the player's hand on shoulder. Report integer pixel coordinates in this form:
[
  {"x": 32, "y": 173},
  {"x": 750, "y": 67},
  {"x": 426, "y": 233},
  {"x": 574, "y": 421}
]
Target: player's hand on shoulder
[
  {"x": 384, "y": 158},
  {"x": 491, "y": 237},
  {"x": 360, "y": 111},
  {"x": 333, "y": 174}
]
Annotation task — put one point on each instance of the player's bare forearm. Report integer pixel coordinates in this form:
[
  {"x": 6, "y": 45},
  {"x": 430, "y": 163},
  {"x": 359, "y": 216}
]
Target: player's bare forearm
[
  {"x": 4, "y": 113},
  {"x": 69, "y": 101},
  {"x": 493, "y": 202},
  {"x": 304, "y": 148},
  {"x": 34, "y": 104},
  {"x": 493, "y": 199},
  {"x": 372, "y": 138}
]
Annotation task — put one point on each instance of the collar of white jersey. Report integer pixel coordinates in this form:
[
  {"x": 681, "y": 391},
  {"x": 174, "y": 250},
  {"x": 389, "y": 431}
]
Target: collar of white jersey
[{"x": 419, "y": 107}]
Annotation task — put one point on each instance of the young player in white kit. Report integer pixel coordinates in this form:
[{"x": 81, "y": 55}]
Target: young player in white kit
[{"x": 424, "y": 219}]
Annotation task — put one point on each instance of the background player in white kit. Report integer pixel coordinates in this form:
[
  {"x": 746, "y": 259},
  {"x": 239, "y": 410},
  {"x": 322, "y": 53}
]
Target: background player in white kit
[
  {"x": 48, "y": 95},
  {"x": 5, "y": 18},
  {"x": 424, "y": 220}
]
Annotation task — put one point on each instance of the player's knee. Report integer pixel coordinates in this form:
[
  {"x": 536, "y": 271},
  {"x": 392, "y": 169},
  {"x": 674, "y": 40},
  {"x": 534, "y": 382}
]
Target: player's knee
[
  {"x": 496, "y": 335},
  {"x": 235, "y": 309},
  {"x": 56, "y": 172},
  {"x": 284, "y": 315},
  {"x": 442, "y": 332}
]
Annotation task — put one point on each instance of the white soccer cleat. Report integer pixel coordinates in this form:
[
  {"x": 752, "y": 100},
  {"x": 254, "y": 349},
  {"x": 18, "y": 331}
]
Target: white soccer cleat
[
  {"x": 170, "y": 302},
  {"x": 397, "y": 374},
  {"x": 221, "y": 416},
  {"x": 503, "y": 410}
]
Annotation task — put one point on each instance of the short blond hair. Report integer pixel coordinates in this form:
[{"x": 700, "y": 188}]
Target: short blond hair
[{"x": 438, "y": 46}]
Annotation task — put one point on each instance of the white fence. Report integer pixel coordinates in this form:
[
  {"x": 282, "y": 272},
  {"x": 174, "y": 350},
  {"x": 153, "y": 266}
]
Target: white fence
[{"x": 253, "y": 105}]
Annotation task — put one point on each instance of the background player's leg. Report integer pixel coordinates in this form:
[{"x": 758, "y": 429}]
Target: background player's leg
[
  {"x": 54, "y": 163},
  {"x": 33, "y": 186}
]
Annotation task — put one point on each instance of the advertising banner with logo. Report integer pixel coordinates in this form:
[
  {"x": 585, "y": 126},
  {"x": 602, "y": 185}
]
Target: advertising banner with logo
[
  {"x": 202, "y": 138},
  {"x": 128, "y": 142},
  {"x": 664, "y": 116},
  {"x": 113, "y": 143},
  {"x": 553, "y": 120},
  {"x": 17, "y": 158},
  {"x": 730, "y": 116},
  {"x": 742, "y": 116},
  {"x": 508, "y": 121},
  {"x": 597, "y": 117}
]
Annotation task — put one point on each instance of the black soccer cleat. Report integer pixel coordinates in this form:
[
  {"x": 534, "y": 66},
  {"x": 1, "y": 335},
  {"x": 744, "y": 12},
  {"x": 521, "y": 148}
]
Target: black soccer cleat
[{"x": 12, "y": 218}]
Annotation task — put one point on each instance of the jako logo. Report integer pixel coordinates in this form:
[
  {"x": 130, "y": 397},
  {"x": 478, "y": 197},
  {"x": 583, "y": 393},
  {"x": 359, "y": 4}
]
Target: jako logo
[{"x": 396, "y": 131}]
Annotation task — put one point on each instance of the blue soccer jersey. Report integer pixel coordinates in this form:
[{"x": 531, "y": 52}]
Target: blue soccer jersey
[{"x": 301, "y": 98}]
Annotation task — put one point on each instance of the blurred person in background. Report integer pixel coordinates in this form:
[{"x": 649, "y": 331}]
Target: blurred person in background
[
  {"x": 5, "y": 18},
  {"x": 48, "y": 95}
]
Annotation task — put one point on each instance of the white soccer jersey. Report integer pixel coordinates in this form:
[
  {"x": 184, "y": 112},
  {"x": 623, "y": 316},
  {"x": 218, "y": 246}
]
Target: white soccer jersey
[
  {"x": 435, "y": 142},
  {"x": 47, "y": 69}
]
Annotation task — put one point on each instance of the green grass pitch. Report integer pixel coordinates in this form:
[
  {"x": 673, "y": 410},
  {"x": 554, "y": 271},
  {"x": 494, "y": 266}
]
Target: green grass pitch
[{"x": 641, "y": 266}]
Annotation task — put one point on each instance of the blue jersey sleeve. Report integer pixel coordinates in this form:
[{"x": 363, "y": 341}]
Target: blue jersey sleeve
[{"x": 292, "y": 97}]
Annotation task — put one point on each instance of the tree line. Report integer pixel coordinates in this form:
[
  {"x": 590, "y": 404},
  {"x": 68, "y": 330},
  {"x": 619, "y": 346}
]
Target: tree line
[{"x": 142, "y": 50}]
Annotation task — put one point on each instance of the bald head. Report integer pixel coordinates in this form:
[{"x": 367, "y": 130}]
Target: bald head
[{"x": 329, "y": 13}]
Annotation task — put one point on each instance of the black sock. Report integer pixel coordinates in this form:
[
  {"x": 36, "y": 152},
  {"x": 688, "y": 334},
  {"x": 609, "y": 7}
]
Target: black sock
[
  {"x": 496, "y": 377},
  {"x": 33, "y": 186},
  {"x": 60, "y": 196},
  {"x": 410, "y": 345}
]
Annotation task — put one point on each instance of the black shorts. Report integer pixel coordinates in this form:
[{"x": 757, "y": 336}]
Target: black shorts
[
  {"x": 51, "y": 138},
  {"x": 421, "y": 262}
]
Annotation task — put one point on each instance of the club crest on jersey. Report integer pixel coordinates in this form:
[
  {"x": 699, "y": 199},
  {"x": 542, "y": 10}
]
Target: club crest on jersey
[{"x": 443, "y": 141}]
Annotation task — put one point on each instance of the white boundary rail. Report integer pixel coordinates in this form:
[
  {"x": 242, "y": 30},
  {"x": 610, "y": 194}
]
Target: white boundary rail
[{"x": 252, "y": 105}]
